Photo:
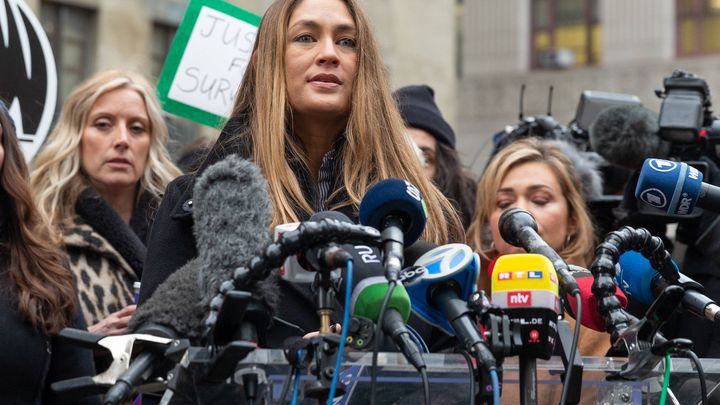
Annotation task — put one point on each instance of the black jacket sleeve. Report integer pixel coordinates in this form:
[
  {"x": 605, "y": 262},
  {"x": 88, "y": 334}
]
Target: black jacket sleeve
[
  {"x": 69, "y": 361},
  {"x": 171, "y": 242}
]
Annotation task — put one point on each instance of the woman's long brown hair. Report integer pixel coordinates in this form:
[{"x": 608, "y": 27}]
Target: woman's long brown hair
[{"x": 44, "y": 287}]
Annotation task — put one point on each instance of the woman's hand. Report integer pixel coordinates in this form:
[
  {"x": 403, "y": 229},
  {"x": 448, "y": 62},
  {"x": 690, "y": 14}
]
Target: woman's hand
[
  {"x": 336, "y": 328},
  {"x": 115, "y": 324}
]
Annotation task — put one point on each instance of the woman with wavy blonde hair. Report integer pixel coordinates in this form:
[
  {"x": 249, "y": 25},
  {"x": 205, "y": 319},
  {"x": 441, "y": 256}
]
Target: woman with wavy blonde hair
[
  {"x": 315, "y": 113},
  {"x": 102, "y": 169},
  {"x": 575, "y": 242},
  {"x": 542, "y": 177}
]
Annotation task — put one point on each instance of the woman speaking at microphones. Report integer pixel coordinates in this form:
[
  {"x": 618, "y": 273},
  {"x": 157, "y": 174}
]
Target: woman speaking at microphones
[{"x": 315, "y": 113}]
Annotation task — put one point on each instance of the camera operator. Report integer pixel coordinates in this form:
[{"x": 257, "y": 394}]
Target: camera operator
[{"x": 685, "y": 130}]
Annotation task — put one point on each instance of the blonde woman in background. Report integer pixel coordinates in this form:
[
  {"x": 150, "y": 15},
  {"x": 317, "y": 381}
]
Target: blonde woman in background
[
  {"x": 101, "y": 171},
  {"x": 540, "y": 177}
]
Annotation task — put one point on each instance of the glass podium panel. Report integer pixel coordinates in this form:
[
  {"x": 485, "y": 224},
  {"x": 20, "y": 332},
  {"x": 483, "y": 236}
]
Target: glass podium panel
[{"x": 399, "y": 383}]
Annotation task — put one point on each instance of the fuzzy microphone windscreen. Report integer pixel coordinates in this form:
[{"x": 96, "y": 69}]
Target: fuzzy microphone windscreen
[
  {"x": 626, "y": 135},
  {"x": 232, "y": 218}
]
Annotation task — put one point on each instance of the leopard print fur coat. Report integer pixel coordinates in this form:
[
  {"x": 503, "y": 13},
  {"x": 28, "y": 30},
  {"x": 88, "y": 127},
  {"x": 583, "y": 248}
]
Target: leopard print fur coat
[{"x": 106, "y": 254}]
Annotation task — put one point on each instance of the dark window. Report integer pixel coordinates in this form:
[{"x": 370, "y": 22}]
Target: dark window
[
  {"x": 565, "y": 33},
  {"x": 71, "y": 31},
  {"x": 698, "y": 27},
  {"x": 163, "y": 35}
]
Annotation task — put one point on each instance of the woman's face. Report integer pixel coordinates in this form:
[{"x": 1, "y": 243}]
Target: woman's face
[
  {"x": 320, "y": 58},
  {"x": 116, "y": 140},
  {"x": 533, "y": 187},
  {"x": 428, "y": 145}
]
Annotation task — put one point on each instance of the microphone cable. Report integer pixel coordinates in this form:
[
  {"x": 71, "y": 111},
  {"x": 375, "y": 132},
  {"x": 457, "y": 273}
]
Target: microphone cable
[
  {"x": 378, "y": 338},
  {"x": 426, "y": 385},
  {"x": 415, "y": 336},
  {"x": 573, "y": 347},
  {"x": 296, "y": 384},
  {"x": 495, "y": 386},
  {"x": 666, "y": 379},
  {"x": 343, "y": 334},
  {"x": 701, "y": 374},
  {"x": 287, "y": 384},
  {"x": 471, "y": 370}
]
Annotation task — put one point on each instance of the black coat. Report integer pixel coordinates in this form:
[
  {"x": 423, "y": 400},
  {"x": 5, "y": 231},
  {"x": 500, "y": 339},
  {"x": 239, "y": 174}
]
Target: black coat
[{"x": 32, "y": 361}]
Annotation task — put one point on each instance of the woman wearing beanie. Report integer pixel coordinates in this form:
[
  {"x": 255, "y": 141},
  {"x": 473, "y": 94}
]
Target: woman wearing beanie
[{"x": 436, "y": 139}]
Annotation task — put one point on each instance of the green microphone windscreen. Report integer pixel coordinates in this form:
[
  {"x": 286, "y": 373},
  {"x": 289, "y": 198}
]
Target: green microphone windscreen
[{"x": 367, "y": 298}]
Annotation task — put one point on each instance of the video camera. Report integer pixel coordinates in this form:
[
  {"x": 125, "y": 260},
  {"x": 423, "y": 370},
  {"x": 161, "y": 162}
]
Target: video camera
[{"x": 686, "y": 120}]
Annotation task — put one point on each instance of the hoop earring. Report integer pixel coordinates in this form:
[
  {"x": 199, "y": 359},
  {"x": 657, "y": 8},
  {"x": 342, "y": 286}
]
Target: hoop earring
[
  {"x": 492, "y": 245},
  {"x": 568, "y": 239}
]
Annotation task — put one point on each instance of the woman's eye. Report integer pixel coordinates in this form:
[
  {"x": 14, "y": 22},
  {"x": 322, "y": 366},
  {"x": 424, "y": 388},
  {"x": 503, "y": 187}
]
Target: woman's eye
[
  {"x": 137, "y": 129},
  {"x": 102, "y": 125},
  {"x": 304, "y": 38},
  {"x": 503, "y": 204},
  {"x": 347, "y": 42}
]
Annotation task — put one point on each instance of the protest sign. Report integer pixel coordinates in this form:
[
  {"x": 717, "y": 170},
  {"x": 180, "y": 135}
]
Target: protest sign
[{"x": 207, "y": 61}]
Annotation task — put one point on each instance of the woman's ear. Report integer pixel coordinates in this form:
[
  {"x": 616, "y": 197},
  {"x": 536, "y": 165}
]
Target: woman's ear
[{"x": 253, "y": 60}]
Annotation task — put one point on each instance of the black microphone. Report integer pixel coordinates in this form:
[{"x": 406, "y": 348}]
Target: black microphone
[
  {"x": 518, "y": 228},
  {"x": 395, "y": 208},
  {"x": 625, "y": 135}
]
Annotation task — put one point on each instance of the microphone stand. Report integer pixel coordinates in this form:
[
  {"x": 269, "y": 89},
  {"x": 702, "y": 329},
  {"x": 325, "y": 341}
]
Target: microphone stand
[
  {"x": 502, "y": 337},
  {"x": 325, "y": 345}
]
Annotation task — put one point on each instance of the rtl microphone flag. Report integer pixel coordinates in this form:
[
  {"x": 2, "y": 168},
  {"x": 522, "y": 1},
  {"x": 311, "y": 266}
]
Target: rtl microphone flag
[{"x": 526, "y": 287}]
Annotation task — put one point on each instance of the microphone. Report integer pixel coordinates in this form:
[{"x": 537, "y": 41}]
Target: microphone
[
  {"x": 231, "y": 221},
  {"x": 675, "y": 188},
  {"x": 518, "y": 228},
  {"x": 396, "y": 209},
  {"x": 440, "y": 293},
  {"x": 625, "y": 135},
  {"x": 525, "y": 286},
  {"x": 366, "y": 301},
  {"x": 639, "y": 280},
  {"x": 232, "y": 218},
  {"x": 590, "y": 316}
]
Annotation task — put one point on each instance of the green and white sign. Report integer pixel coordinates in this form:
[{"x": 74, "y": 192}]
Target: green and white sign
[{"x": 207, "y": 61}]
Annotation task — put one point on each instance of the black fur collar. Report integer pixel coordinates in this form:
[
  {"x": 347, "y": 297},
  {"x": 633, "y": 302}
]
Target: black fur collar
[{"x": 128, "y": 241}]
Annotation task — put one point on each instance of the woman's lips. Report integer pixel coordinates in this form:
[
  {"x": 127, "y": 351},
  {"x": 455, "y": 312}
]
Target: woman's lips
[{"x": 118, "y": 163}]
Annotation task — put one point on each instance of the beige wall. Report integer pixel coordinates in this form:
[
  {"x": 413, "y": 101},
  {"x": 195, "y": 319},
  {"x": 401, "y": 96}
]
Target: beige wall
[
  {"x": 496, "y": 36},
  {"x": 418, "y": 43}
]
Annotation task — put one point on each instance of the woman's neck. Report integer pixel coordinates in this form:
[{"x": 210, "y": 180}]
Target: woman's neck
[
  {"x": 318, "y": 137},
  {"x": 121, "y": 200}
]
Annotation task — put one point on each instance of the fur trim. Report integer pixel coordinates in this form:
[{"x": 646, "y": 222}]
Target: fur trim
[{"x": 97, "y": 213}]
